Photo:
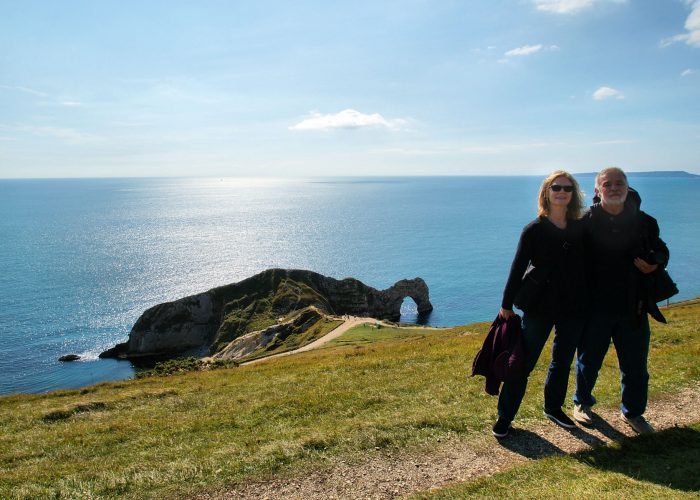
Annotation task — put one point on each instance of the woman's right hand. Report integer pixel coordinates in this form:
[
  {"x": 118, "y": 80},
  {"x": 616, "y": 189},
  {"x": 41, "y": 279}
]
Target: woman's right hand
[{"x": 506, "y": 313}]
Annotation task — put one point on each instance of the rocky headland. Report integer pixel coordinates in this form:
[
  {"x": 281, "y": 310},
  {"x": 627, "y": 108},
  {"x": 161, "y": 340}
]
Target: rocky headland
[{"x": 234, "y": 320}]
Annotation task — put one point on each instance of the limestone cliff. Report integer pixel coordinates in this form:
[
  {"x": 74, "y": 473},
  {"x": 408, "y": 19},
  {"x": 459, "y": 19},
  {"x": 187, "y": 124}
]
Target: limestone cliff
[
  {"x": 211, "y": 320},
  {"x": 270, "y": 337}
]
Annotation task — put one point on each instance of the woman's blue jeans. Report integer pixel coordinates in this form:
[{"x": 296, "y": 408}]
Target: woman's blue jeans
[{"x": 536, "y": 330}]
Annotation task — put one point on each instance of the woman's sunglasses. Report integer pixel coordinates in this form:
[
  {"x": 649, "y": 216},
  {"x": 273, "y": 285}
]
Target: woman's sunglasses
[{"x": 556, "y": 188}]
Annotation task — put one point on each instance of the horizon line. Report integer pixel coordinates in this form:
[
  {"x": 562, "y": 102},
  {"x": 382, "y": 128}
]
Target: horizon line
[{"x": 301, "y": 177}]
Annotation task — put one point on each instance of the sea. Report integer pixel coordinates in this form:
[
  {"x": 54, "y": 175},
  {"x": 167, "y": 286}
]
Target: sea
[{"x": 81, "y": 259}]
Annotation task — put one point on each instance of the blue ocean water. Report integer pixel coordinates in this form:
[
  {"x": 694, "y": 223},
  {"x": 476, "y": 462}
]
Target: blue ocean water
[{"x": 81, "y": 259}]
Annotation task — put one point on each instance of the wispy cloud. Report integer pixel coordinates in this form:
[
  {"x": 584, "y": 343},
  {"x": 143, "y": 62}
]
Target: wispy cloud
[
  {"x": 614, "y": 142},
  {"x": 480, "y": 50},
  {"x": 607, "y": 93},
  {"x": 26, "y": 90},
  {"x": 688, "y": 72},
  {"x": 67, "y": 135},
  {"x": 472, "y": 149},
  {"x": 503, "y": 148},
  {"x": 569, "y": 6},
  {"x": 71, "y": 104},
  {"x": 692, "y": 28},
  {"x": 347, "y": 119},
  {"x": 48, "y": 100},
  {"x": 525, "y": 50},
  {"x": 495, "y": 149},
  {"x": 61, "y": 103}
]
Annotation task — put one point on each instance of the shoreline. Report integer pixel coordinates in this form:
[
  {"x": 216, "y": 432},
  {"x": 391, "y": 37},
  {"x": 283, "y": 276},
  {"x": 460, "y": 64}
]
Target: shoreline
[{"x": 320, "y": 342}]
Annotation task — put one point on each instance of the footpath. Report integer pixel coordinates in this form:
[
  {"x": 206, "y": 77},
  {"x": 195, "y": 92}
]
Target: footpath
[
  {"x": 402, "y": 473},
  {"x": 350, "y": 322}
]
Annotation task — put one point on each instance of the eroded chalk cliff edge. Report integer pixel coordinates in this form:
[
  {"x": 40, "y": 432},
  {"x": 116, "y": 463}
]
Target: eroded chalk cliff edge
[{"x": 210, "y": 321}]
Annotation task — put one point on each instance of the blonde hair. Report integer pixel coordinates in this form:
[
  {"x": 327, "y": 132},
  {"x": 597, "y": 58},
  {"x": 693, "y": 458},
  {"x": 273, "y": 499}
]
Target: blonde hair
[{"x": 574, "y": 209}]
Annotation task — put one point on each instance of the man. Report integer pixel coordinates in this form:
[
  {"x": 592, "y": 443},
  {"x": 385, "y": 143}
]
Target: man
[{"x": 623, "y": 245}]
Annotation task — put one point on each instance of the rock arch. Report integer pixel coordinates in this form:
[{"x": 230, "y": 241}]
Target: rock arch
[
  {"x": 211, "y": 319},
  {"x": 415, "y": 288}
]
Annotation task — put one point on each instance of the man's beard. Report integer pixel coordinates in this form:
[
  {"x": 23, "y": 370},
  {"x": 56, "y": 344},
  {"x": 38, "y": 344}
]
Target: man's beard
[{"x": 615, "y": 200}]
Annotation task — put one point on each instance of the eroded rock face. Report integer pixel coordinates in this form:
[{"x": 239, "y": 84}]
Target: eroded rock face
[
  {"x": 170, "y": 328},
  {"x": 263, "y": 339},
  {"x": 213, "y": 319}
]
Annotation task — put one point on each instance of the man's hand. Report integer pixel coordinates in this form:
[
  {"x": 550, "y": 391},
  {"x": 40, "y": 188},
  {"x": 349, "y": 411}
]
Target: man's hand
[
  {"x": 506, "y": 313},
  {"x": 644, "y": 266}
]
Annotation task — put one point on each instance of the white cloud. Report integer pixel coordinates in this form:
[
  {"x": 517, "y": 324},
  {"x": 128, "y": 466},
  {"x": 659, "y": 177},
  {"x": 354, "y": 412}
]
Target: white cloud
[
  {"x": 569, "y": 6},
  {"x": 607, "y": 93},
  {"x": 525, "y": 50},
  {"x": 346, "y": 119},
  {"x": 688, "y": 72},
  {"x": 692, "y": 27}
]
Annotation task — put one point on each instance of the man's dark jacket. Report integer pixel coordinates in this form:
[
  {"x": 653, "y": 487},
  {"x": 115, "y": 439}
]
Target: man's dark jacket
[{"x": 612, "y": 243}]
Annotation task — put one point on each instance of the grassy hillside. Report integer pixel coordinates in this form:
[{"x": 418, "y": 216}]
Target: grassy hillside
[{"x": 371, "y": 390}]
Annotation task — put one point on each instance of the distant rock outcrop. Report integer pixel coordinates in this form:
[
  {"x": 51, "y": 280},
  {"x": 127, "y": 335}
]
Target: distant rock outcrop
[
  {"x": 262, "y": 303},
  {"x": 69, "y": 357}
]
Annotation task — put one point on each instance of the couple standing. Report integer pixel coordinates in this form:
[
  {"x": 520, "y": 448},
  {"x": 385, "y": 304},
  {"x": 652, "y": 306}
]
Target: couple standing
[{"x": 594, "y": 291}]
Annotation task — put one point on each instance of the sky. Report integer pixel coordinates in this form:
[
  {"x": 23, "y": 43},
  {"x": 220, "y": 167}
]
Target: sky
[{"x": 316, "y": 88}]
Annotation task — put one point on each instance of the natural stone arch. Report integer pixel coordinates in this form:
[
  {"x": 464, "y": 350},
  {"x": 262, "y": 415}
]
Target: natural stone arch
[{"x": 415, "y": 288}]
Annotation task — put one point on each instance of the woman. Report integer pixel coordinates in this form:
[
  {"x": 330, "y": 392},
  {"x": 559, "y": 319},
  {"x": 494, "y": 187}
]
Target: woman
[{"x": 552, "y": 244}]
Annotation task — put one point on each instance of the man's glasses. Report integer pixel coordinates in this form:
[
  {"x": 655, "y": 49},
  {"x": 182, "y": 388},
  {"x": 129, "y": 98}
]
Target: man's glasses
[{"x": 556, "y": 188}]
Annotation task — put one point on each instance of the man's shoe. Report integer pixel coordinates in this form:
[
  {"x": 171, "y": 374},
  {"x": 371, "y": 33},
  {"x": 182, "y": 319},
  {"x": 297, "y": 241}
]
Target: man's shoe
[
  {"x": 583, "y": 414},
  {"x": 559, "y": 417},
  {"x": 501, "y": 428},
  {"x": 639, "y": 424}
]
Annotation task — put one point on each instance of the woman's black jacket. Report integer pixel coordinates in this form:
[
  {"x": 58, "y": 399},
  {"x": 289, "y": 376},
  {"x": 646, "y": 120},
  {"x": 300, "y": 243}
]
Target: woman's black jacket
[{"x": 560, "y": 251}]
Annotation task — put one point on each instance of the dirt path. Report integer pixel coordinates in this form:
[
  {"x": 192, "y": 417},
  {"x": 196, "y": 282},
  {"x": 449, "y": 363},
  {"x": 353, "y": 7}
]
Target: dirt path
[
  {"x": 350, "y": 322},
  {"x": 399, "y": 474}
]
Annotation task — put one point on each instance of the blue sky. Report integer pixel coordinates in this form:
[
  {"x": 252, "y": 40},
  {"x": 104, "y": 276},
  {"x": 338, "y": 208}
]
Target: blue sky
[{"x": 276, "y": 88}]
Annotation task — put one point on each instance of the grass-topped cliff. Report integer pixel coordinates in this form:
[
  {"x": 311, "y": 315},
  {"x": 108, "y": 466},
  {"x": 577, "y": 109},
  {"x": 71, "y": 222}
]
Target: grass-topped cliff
[
  {"x": 370, "y": 393},
  {"x": 211, "y": 320}
]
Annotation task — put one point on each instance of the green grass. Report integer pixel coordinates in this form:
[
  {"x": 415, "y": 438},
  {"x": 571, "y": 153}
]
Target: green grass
[
  {"x": 663, "y": 465},
  {"x": 372, "y": 391},
  {"x": 373, "y": 333}
]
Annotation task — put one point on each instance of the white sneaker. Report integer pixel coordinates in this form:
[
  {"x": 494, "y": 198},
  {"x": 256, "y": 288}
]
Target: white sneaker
[
  {"x": 583, "y": 414},
  {"x": 639, "y": 424}
]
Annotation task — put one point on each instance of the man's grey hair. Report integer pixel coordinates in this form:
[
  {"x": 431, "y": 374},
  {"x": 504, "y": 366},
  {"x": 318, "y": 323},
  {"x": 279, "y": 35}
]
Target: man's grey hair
[{"x": 610, "y": 170}]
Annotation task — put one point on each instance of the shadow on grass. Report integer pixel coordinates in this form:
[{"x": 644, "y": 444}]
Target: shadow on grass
[
  {"x": 529, "y": 444},
  {"x": 668, "y": 458},
  {"x": 607, "y": 430},
  {"x": 533, "y": 446}
]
